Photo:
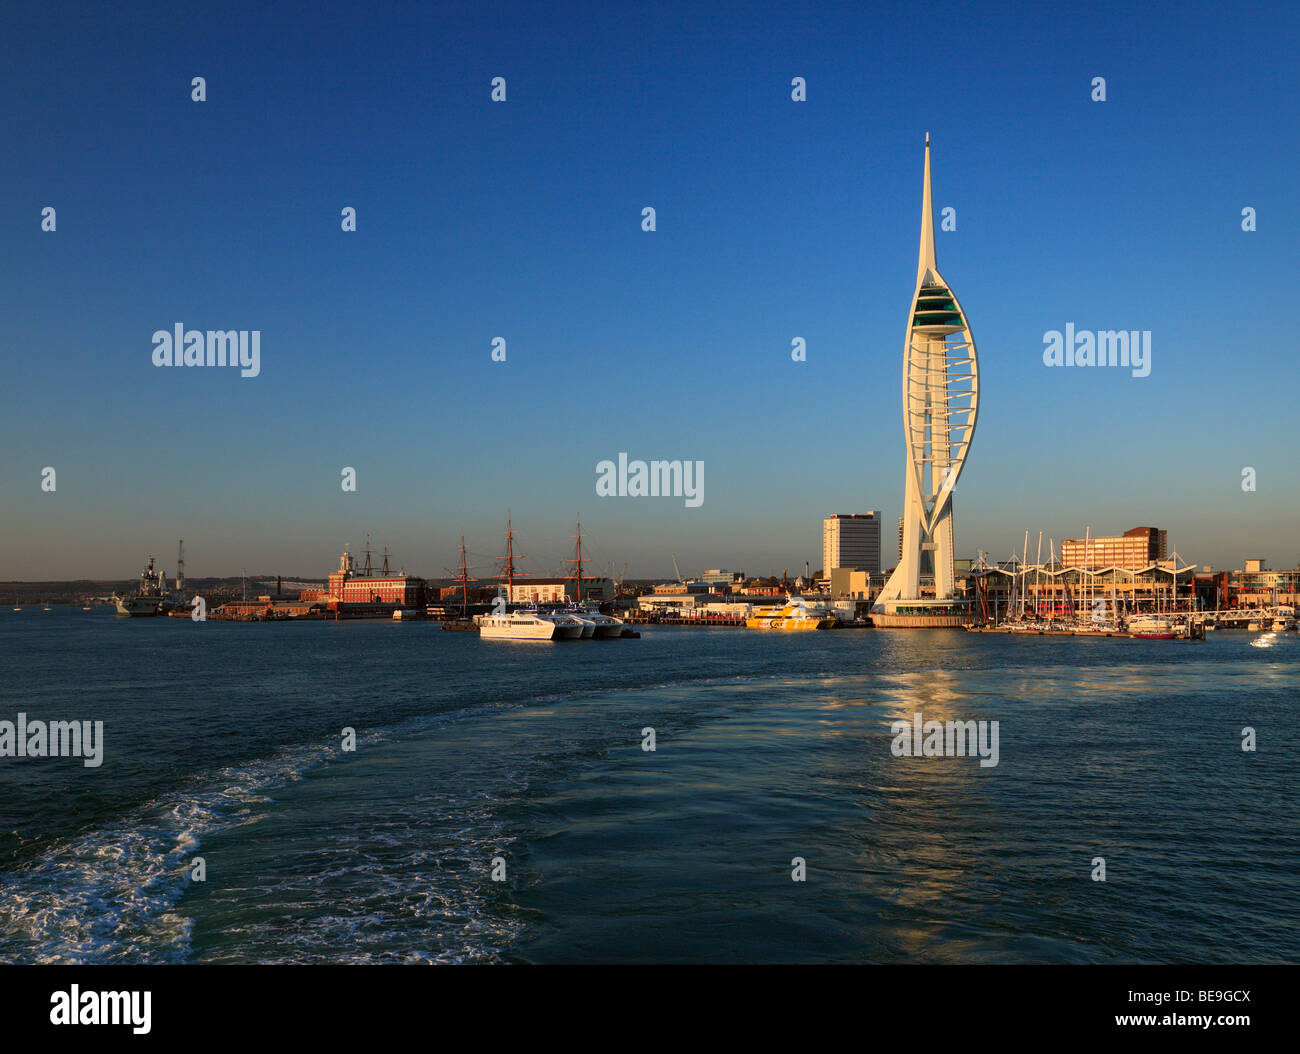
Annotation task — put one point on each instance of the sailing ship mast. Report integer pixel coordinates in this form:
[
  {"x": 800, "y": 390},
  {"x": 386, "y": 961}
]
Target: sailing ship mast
[
  {"x": 1051, "y": 557},
  {"x": 508, "y": 571},
  {"x": 465, "y": 580},
  {"x": 577, "y": 562},
  {"x": 1087, "y": 559},
  {"x": 1038, "y": 578},
  {"x": 1023, "y": 557}
]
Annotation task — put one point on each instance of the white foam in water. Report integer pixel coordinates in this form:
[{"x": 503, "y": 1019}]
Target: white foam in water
[{"x": 107, "y": 896}]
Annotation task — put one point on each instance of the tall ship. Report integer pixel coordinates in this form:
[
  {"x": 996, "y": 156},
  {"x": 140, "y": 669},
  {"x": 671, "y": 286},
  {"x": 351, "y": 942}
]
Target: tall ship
[{"x": 151, "y": 598}]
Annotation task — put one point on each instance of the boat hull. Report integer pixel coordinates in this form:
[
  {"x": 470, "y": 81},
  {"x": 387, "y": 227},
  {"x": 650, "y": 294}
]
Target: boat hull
[
  {"x": 138, "y": 607},
  {"x": 790, "y": 625},
  {"x": 508, "y": 627}
]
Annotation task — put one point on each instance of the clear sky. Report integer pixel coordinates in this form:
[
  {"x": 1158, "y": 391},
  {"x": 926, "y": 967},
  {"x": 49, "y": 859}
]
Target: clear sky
[{"x": 522, "y": 219}]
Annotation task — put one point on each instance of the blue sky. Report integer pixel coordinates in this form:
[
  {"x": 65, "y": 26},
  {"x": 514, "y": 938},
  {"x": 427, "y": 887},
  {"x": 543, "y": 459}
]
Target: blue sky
[{"x": 522, "y": 219}]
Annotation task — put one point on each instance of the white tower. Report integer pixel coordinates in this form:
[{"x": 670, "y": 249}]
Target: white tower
[{"x": 940, "y": 402}]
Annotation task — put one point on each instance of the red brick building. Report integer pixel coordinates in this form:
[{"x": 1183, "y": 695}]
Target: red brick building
[{"x": 346, "y": 586}]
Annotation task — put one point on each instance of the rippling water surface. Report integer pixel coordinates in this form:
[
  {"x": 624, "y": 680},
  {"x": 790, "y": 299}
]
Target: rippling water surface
[{"x": 223, "y": 741}]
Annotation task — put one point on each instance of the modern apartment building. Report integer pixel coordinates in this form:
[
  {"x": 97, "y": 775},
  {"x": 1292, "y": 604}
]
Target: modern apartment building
[{"x": 851, "y": 541}]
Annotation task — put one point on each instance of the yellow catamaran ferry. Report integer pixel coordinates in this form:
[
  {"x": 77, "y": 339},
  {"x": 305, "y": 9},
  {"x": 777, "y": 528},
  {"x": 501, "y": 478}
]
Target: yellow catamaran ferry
[{"x": 792, "y": 616}]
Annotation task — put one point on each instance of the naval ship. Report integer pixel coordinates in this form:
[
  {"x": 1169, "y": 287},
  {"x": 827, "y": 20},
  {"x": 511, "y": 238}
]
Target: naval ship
[{"x": 150, "y": 599}]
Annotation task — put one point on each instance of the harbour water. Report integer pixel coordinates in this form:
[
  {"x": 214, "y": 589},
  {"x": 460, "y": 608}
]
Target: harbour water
[{"x": 223, "y": 741}]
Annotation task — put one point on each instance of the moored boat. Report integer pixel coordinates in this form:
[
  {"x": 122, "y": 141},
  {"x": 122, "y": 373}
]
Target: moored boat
[
  {"x": 588, "y": 626},
  {"x": 150, "y": 599},
  {"x": 793, "y": 616},
  {"x": 1150, "y": 627},
  {"x": 607, "y": 626},
  {"x": 516, "y": 625},
  {"x": 567, "y": 627}
]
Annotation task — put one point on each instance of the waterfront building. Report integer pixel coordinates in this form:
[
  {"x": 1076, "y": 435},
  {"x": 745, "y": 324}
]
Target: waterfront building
[
  {"x": 1257, "y": 586},
  {"x": 348, "y": 585},
  {"x": 1134, "y": 549},
  {"x": 940, "y": 404},
  {"x": 856, "y": 585},
  {"x": 851, "y": 541},
  {"x": 681, "y": 598},
  {"x": 267, "y": 606},
  {"x": 559, "y": 590},
  {"x": 1057, "y": 590}
]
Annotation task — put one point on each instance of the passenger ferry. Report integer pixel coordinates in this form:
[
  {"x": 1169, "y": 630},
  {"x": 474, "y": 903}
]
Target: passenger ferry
[
  {"x": 793, "y": 616},
  {"x": 517, "y": 625},
  {"x": 567, "y": 626},
  {"x": 607, "y": 626},
  {"x": 604, "y": 626},
  {"x": 586, "y": 625},
  {"x": 594, "y": 623}
]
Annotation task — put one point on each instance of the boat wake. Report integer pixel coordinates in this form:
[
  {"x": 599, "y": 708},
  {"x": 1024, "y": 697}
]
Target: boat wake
[{"x": 109, "y": 895}]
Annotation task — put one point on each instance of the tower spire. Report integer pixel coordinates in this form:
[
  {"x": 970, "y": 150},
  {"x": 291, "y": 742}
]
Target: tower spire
[
  {"x": 925, "y": 260},
  {"x": 940, "y": 403}
]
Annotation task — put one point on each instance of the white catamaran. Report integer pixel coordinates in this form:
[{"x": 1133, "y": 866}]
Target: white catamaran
[{"x": 517, "y": 625}]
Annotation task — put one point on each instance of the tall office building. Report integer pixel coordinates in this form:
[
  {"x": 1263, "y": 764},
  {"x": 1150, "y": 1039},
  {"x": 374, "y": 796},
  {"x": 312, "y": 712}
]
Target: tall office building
[
  {"x": 940, "y": 403},
  {"x": 851, "y": 541}
]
